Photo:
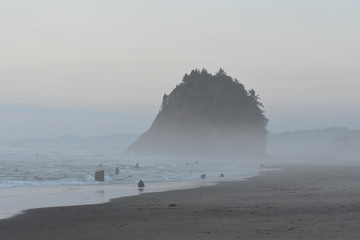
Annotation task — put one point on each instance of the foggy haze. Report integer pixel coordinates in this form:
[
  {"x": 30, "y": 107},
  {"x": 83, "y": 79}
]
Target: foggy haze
[
  {"x": 94, "y": 68},
  {"x": 217, "y": 114}
]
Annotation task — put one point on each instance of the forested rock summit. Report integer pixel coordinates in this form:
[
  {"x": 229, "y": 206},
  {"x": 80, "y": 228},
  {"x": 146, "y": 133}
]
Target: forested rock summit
[{"x": 206, "y": 116}]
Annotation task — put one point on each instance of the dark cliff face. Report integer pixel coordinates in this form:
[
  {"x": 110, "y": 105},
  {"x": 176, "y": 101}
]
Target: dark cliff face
[{"x": 206, "y": 115}]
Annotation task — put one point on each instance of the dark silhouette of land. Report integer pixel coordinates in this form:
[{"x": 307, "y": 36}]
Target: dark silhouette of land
[
  {"x": 206, "y": 115},
  {"x": 70, "y": 142},
  {"x": 337, "y": 144}
]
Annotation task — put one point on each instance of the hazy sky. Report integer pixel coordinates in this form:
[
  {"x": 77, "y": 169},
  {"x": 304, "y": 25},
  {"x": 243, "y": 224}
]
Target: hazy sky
[{"x": 92, "y": 67}]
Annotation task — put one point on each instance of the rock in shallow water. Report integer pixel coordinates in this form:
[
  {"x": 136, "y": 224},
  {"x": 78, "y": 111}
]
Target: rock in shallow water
[
  {"x": 209, "y": 116},
  {"x": 141, "y": 184},
  {"x": 100, "y": 176}
]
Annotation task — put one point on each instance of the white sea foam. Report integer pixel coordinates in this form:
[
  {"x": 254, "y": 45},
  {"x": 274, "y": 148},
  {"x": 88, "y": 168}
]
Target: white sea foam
[
  {"x": 58, "y": 179},
  {"x": 29, "y": 169}
]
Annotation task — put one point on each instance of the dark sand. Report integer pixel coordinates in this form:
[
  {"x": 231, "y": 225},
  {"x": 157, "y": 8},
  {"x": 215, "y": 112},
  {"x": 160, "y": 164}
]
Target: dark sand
[{"x": 297, "y": 202}]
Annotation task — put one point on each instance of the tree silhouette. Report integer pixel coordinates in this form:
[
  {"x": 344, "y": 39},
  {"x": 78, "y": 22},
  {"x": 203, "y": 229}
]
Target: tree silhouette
[{"x": 207, "y": 115}]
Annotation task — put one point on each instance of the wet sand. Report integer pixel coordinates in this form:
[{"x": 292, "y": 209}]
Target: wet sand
[
  {"x": 15, "y": 200},
  {"x": 297, "y": 202}
]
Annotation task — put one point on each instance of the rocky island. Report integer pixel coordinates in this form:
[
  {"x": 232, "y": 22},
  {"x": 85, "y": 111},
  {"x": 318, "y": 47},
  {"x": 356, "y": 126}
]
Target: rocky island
[{"x": 206, "y": 116}]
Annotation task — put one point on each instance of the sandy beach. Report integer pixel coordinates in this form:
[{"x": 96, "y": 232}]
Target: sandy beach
[{"x": 297, "y": 202}]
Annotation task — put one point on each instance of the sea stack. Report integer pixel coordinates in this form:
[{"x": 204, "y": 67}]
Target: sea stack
[{"x": 206, "y": 116}]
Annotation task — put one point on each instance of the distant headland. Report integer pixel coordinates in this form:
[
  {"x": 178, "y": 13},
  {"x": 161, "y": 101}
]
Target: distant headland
[{"x": 206, "y": 116}]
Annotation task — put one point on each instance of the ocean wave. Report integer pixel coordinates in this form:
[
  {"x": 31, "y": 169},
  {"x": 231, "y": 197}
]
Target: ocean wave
[{"x": 47, "y": 169}]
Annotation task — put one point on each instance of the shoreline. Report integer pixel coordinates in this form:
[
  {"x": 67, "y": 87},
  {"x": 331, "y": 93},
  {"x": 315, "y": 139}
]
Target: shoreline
[
  {"x": 16, "y": 201},
  {"x": 302, "y": 202}
]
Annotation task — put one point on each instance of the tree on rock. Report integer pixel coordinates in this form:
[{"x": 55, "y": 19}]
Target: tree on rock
[{"x": 206, "y": 115}]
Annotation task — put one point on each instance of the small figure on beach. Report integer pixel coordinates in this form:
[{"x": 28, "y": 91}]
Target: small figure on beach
[
  {"x": 117, "y": 171},
  {"x": 137, "y": 165},
  {"x": 221, "y": 175},
  {"x": 203, "y": 176},
  {"x": 141, "y": 184}
]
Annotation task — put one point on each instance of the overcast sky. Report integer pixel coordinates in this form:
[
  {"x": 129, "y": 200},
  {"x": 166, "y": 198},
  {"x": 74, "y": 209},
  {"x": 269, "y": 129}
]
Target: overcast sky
[{"x": 91, "y": 67}]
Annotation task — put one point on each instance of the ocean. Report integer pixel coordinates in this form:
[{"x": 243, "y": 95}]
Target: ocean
[{"x": 32, "y": 179}]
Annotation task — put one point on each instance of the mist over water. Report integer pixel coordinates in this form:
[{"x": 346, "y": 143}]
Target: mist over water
[
  {"x": 31, "y": 168},
  {"x": 317, "y": 146},
  {"x": 58, "y": 172},
  {"x": 34, "y": 178}
]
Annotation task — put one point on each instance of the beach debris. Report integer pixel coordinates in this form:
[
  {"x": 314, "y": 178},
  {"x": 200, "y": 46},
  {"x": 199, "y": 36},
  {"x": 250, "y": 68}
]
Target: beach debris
[
  {"x": 203, "y": 176},
  {"x": 137, "y": 165},
  {"x": 172, "y": 205},
  {"x": 100, "y": 176},
  {"x": 221, "y": 175},
  {"x": 117, "y": 171},
  {"x": 141, "y": 184},
  {"x": 38, "y": 178}
]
